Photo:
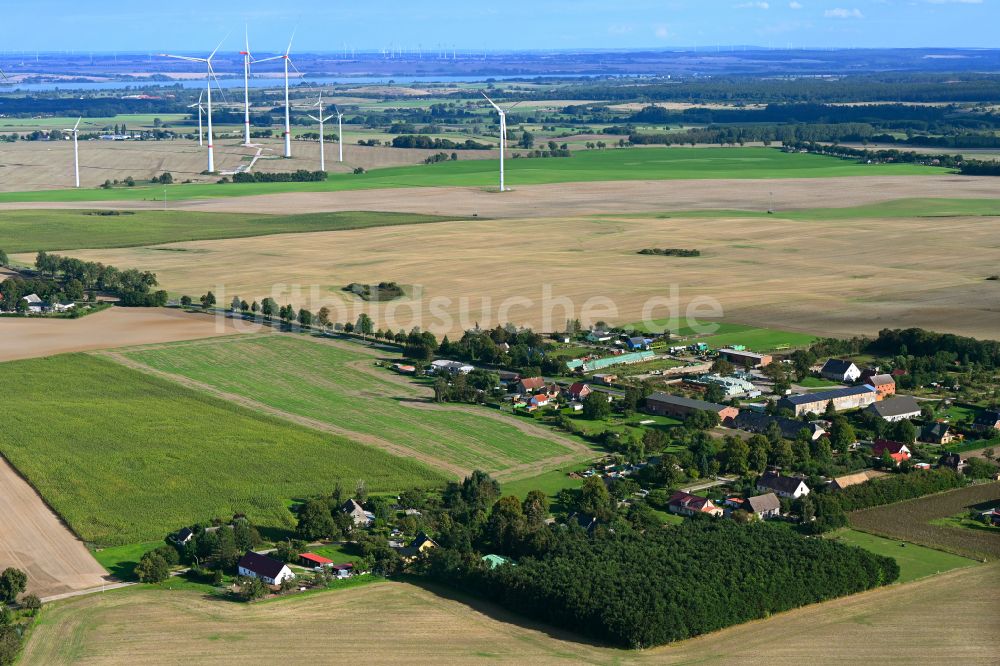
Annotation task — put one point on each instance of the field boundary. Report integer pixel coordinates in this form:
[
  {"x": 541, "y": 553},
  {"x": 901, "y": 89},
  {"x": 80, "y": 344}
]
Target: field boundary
[{"x": 575, "y": 451}]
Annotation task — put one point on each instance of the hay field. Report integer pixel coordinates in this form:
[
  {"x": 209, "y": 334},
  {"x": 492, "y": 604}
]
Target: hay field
[
  {"x": 36, "y": 541},
  {"x": 48, "y": 165},
  {"x": 117, "y": 327},
  {"x": 949, "y": 618},
  {"x": 335, "y": 386},
  {"x": 840, "y": 277}
]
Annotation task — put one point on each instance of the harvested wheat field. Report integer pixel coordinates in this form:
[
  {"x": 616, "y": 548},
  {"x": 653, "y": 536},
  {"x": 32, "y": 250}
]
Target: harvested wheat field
[
  {"x": 117, "y": 327},
  {"x": 837, "y": 277},
  {"x": 33, "y": 539},
  {"x": 391, "y": 622},
  {"x": 576, "y": 198}
]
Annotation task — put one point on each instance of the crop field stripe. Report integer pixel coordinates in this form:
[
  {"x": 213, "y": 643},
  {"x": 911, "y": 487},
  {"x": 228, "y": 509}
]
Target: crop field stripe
[
  {"x": 914, "y": 561},
  {"x": 335, "y": 385},
  {"x": 125, "y": 457},
  {"x": 584, "y": 166},
  {"x": 34, "y": 230}
]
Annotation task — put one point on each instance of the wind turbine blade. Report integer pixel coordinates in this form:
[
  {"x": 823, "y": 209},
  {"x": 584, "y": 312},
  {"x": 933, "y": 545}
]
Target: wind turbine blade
[
  {"x": 218, "y": 47},
  {"x": 492, "y": 103},
  {"x": 315, "y": 118},
  {"x": 246, "y": 38},
  {"x": 289, "y": 49},
  {"x": 514, "y": 104},
  {"x": 167, "y": 55},
  {"x": 294, "y": 67},
  {"x": 200, "y": 95},
  {"x": 4, "y": 75},
  {"x": 330, "y": 116},
  {"x": 218, "y": 85},
  {"x": 77, "y": 123},
  {"x": 277, "y": 57}
]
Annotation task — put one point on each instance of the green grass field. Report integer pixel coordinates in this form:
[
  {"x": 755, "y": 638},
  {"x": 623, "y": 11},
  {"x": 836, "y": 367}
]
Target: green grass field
[
  {"x": 120, "y": 561},
  {"x": 728, "y": 334},
  {"x": 124, "y": 457},
  {"x": 914, "y": 561},
  {"x": 604, "y": 165},
  {"x": 328, "y": 383},
  {"x": 33, "y": 230},
  {"x": 133, "y": 121}
]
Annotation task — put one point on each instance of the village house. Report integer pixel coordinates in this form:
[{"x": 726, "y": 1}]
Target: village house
[
  {"x": 421, "y": 544},
  {"x": 598, "y": 335},
  {"x": 763, "y": 506},
  {"x": 898, "y": 451},
  {"x": 345, "y": 570},
  {"x": 987, "y": 421},
  {"x": 839, "y": 370},
  {"x": 530, "y": 385},
  {"x": 853, "y": 397},
  {"x": 784, "y": 486},
  {"x": 759, "y": 423},
  {"x": 884, "y": 384},
  {"x": 896, "y": 409},
  {"x": 686, "y": 504},
  {"x": 732, "y": 387},
  {"x": 665, "y": 404},
  {"x": 537, "y": 401},
  {"x": 357, "y": 513},
  {"x": 637, "y": 343},
  {"x": 937, "y": 433},
  {"x": 606, "y": 379},
  {"x": 578, "y": 391},
  {"x": 267, "y": 569},
  {"x": 953, "y": 461},
  {"x": 746, "y": 359}
]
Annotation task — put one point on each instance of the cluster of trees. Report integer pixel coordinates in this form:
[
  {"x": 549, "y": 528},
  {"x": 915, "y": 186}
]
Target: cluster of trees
[
  {"x": 980, "y": 168},
  {"x": 12, "y": 627},
  {"x": 212, "y": 550},
  {"x": 671, "y": 252},
  {"x": 131, "y": 286},
  {"x": 14, "y": 289},
  {"x": 473, "y": 387},
  {"x": 436, "y": 143},
  {"x": 921, "y": 342},
  {"x": 503, "y": 346},
  {"x": 383, "y": 291},
  {"x": 621, "y": 582},
  {"x": 297, "y": 176},
  {"x": 897, "y": 488},
  {"x": 884, "y": 155},
  {"x": 441, "y": 157}
]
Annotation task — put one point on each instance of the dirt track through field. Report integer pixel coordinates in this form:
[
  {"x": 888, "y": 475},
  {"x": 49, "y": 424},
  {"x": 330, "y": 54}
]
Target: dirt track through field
[
  {"x": 117, "y": 327},
  {"x": 949, "y": 618},
  {"x": 563, "y": 199},
  {"x": 420, "y": 395},
  {"x": 33, "y": 539}
]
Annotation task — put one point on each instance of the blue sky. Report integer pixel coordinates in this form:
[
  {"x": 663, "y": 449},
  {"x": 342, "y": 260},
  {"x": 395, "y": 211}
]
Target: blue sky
[{"x": 509, "y": 24}]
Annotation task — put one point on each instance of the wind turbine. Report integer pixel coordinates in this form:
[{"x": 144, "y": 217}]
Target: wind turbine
[
  {"x": 320, "y": 119},
  {"x": 76, "y": 151},
  {"x": 208, "y": 79},
  {"x": 200, "y": 109},
  {"x": 288, "y": 120},
  {"x": 247, "y": 59},
  {"x": 503, "y": 135},
  {"x": 340, "y": 132}
]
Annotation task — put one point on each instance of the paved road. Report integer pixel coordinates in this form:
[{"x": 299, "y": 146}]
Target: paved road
[{"x": 708, "y": 484}]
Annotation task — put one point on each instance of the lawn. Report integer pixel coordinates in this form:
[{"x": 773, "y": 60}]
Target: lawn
[
  {"x": 120, "y": 561},
  {"x": 914, "y": 561},
  {"x": 341, "y": 387},
  {"x": 818, "y": 383},
  {"x": 124, "y": 457},
  {"x": 33, "y": 230},
  {"x": 588, "y": 166},
  {"x": 549, "y": 483}
]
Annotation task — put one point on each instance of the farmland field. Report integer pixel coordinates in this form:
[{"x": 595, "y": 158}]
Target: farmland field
[
  {"x": 911, "y": 521},
  {"x": 948, "y": 618},
  {"x": 764, "y": 273},
  {"x": 728, "y": 334},
  {"x": 610, "y": 165},
  {"x": 338, "y": 385},
  {"x": 914, "y": 561},
  {"x": 124, "y": 457},
  {"x": 30, "y": 231}
]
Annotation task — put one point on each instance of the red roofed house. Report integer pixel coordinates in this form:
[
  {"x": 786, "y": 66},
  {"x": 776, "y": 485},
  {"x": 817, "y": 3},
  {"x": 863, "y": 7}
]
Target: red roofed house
[
  {"x": 536, "y": 401},
  {"x": 314, "y": 560},
  {"x": 579, "y": 391},
  {"x": 686, "y": 504},
  {"x": 530, "y": 384},
  {"x": 897, "y": 450}
]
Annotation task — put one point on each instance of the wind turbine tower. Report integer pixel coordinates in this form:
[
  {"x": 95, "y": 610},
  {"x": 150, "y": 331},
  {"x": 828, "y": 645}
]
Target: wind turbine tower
[
  {"x": 503, "y": 136},
  {"x": 208, "y": 79},
  {"x": 320, "y": 119},
  {"x": 288, "y": 119},
  {"x": 201, "y": 133},
  {"x": 247, "y": 59},
  {"x": 76, "y": 151}
]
